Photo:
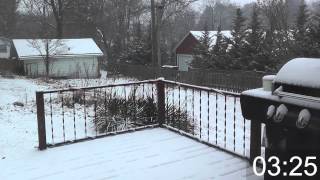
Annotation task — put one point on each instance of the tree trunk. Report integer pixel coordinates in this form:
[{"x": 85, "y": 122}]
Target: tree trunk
[
  {"x": 59, "y": 29},
  {"x": 154, "y": 34},
  {"x": 47, "y": 60}
]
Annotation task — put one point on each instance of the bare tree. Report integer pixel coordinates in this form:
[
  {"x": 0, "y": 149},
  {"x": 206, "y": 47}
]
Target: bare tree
[
  {"x": 8, "y": 14},
  {"x": 164, "y": 10},
  {"x": 46, "y": 9},
  {"x": 48, "y": 49},
  {"x": 276, "y": 11}
]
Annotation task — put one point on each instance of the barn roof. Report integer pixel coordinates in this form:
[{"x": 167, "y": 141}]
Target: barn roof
[
  {"x": 199, "y": 34},
  {"x": 35, "y": 48},
  {"x": 212, "y": 35}
]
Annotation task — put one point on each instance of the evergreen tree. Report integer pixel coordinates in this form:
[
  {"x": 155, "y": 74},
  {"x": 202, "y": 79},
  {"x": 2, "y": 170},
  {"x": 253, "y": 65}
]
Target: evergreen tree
[
  {"x": 238, "y": 41},
  {"x": 218, "y": 53},
  {"x": 201, "y": 52},
  {"x": 139, "y": 48},
  {"x": 255, "y": 52},
  {"x": 301, "y": 46},
  {"x": 314, "y": 35}
]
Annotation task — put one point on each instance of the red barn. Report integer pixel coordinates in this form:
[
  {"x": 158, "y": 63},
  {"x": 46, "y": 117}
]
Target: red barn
[{"x": 184, "y": 49}]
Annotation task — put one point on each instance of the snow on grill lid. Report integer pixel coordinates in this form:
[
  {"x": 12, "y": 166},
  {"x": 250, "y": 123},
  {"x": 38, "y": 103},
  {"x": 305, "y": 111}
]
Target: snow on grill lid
[{"x": 304, "y": 72}]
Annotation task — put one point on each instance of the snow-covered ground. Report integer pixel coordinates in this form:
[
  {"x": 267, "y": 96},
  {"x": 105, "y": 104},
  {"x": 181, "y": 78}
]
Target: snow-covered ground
[
  {"x": 18, "y": 125},
  {"x": 149, "y": 154}
]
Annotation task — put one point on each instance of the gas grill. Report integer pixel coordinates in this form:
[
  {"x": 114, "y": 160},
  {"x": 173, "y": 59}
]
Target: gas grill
[{"x": 289, "y": 106}]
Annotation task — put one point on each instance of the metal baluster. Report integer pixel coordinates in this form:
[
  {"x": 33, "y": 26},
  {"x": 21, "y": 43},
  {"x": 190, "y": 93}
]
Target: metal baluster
[
  {"x": 85, "y": 113},
  {"x": 134, "y": 104},
  {"x": 244, "y": 136},
  {"x": 173, "y": 109},
  {"x": 179, "y": 113},
  {"x": 105, "y": 108},
  {"x": 95, "y": 111},
  {"x": 200, "y": 115},
  {"x": 126, "y": 105},
  {"x": 208, "y": 116},
  {"x": 142, "y": 91},
  {"x": 167, "y": 104},
  {"x": 63, "y": 126},
  {"x": 216, "y": 118},
  {"x": 152, "y": 99},
  {"x": 152, "y": 93},
  {"x": 74, "y": 116},
  {"x": 114, "y": 95},
  {"x": 193, "y": 120},
  {"x": 186, "y": 110},
  {"x": 234, "y": 124},
  {"x": 51, "y": 119},
  {"x": 225, "y": 121}
]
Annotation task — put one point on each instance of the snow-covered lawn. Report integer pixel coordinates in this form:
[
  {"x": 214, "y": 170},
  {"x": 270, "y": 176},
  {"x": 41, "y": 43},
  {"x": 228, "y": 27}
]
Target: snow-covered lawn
[{"x": 18, "y": 124}]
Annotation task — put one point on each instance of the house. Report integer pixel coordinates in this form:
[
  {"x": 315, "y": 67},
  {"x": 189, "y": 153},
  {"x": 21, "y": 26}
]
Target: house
[
  {"x": 5, "y": 48},
  {"x": 61, "y": 58},
  {"x": 184, "y": 49}
]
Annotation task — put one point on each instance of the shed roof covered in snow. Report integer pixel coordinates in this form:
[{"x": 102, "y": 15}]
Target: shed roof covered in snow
[
  {"x": 186, "y": 45},
  {"x": 35, "y": 48},
  {"x": 300, "y": 72},
  {"x": 212, "y": 35}
]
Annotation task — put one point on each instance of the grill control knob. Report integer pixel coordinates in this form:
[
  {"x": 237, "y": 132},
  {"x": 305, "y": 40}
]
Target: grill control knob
[
  {"x": 303, "y": 119},
  {"x": 282, "y": 111},
  {"x": 271, "y": 111}
]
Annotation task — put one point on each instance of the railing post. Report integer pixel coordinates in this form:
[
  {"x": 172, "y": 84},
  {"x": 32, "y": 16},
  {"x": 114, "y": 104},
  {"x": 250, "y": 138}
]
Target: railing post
[
  {"x": 161, "y": 101},
  {"x": 41, "y": 121},
  {"x": 255, "y": 140}
]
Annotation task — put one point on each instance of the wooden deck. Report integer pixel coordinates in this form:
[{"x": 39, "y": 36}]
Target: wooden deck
[{"x": 149, "y": 154}]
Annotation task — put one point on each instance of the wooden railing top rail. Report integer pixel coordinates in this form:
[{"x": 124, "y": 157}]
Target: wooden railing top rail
[
  {"x": 185, "y": 85},
  {"x": 97, "y": 87},
  {"x": 222, "y": 92}
]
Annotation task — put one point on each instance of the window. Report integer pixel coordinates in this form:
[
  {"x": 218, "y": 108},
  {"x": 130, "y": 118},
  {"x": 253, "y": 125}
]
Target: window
[{"x": 3, "y": 48}]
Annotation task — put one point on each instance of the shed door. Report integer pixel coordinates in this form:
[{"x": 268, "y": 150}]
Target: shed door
[
  {"x": 32, "y": 70},
  {"x": 184, "y": 61}
]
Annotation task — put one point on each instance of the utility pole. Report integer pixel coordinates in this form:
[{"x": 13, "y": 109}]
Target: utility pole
[
  {"x": 159, "y": 11},
  {"x": 154, "y": 34}
]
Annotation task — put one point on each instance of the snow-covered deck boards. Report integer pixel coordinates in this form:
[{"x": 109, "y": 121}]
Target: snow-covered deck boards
[{"x": 149, "y": 154}]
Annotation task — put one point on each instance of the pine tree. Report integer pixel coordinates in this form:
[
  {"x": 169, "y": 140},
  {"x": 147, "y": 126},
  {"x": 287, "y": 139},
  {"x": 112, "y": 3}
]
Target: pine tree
[
  {"x": 238, "y": 33},
  {"x": 314, "y": 36},
  {"x": 302, "y": 33},
  {"x": 255, "y": 51},
  {"x": 139, "y": 48},
  {"x": 218, "y": 53},
  {"x": 201, "y": 53}
]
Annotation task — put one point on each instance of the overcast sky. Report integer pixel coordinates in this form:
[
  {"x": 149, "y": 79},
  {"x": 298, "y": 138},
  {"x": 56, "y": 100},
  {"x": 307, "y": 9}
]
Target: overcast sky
[
  {"x": 238, "y": 2},
  {"x": 199, "y": 3}
]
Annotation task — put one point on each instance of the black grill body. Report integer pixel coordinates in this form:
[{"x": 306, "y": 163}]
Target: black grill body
[{"x": 287, "y": 136}]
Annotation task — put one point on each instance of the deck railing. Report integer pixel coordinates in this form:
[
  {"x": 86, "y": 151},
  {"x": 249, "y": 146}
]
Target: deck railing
[{"x": 210, "y": 116}]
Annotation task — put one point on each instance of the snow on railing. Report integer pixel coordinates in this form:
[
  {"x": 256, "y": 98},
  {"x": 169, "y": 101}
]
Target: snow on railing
[{"x": 208, "y": 115}]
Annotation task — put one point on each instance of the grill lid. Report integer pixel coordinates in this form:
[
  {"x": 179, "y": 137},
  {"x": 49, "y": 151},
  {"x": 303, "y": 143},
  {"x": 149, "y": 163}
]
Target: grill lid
[{"x": 300, "y": 72}]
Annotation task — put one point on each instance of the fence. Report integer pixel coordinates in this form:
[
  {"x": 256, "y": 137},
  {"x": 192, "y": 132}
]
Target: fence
[
  {"x": 208, "y": 115},
  {"x": 235, "y": 81},
  {"x": 11, "y": 66}
]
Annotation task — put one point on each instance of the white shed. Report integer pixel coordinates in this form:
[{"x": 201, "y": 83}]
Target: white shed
[
  {"x": 5, "y": 47},
  {"x": 68, "y": 58}
]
